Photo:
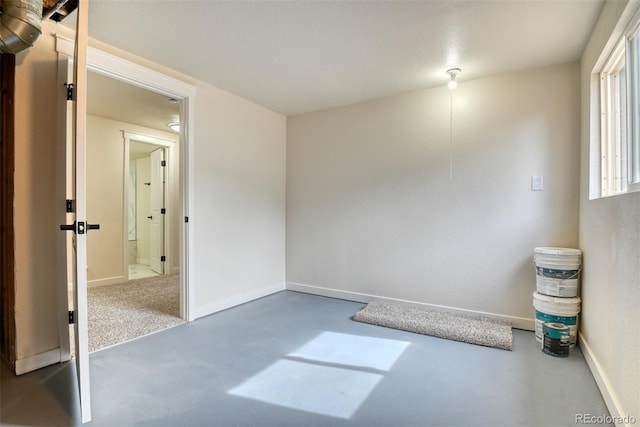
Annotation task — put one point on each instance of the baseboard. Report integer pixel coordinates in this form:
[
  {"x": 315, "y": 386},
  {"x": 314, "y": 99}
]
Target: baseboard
[
  {"x": 107, "y": 281},
  {"x": 609, "y": 396},
  {"x": 517, "y": 322},
  {"x": 236, "y": 300},
  {"x": 37, "y": 361},
  {"x": 143, "y": 261}
]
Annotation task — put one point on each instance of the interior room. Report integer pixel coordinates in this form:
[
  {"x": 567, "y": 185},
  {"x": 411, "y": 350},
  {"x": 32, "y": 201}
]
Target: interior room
[
  {"x": 128, "y": 134},
  {"x": 330, "y": 156}
]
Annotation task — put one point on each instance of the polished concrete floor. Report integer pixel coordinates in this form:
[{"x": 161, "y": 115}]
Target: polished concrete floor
[{"x": 292, "y": 359}]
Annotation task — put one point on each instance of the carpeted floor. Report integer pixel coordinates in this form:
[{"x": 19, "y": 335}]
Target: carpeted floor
[
  {"x": 129, "y": 310},
  {"x": 470, "y": 329}
]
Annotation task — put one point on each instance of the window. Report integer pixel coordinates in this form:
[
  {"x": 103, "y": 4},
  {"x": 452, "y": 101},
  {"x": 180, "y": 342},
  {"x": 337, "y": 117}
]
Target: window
[
  {"x": 634, "y": 86},
  {"x": 613, "y": 102},
  {"x": 620, "y": 116}
]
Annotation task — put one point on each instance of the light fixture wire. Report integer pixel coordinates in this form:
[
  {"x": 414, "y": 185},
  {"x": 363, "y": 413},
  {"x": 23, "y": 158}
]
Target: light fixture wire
[
  {"x": 451, "y": 135},
  {"x": 452, "y": 72}
]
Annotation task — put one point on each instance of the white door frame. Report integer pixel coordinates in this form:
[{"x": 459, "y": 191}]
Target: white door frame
[
  {"x": 120, "y": 69},
  {"x": 170, "y": 216}
]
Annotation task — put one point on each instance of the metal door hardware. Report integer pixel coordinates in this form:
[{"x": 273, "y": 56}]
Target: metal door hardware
[{"x": 79, "y": 227}]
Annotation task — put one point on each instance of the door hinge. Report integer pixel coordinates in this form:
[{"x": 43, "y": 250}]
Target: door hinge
[
  {"x": 163, "y": 163},
  {"x": 163, "y": 258},
  {"x": 69, "y": 91},
  {"x": 72, "y": 318},
  {"x": 69, "y": 206},
  {"x": 186, "y": 219},
  {"x": 163, "y": 211}
]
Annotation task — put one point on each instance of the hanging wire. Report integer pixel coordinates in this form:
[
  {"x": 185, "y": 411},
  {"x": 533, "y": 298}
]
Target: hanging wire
[{"x": 450, "y": 134}]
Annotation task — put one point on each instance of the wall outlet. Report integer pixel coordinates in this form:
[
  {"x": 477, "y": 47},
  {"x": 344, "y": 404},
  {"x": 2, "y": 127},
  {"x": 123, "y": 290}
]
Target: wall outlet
[{"x": 537, "y": 183}]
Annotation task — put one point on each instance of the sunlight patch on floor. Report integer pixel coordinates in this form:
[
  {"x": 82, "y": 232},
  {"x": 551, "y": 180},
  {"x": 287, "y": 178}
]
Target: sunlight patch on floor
[
  {"x": 352, "y": 350},
  {"x": 330, "y": 374},
  {"x": 313, "y": 388}
]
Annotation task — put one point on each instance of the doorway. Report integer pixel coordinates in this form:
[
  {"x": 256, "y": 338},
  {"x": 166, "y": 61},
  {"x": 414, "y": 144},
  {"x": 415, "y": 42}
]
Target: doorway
[
  {"x": 149, "y": 194},
  {"x": 72, "y": 248},
  {"x": 145, "y": 201},
  {"x": 132, "y": 192}
]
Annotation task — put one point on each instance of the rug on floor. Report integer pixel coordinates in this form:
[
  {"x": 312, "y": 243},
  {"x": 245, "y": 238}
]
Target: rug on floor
[
  {"x": 442, "y": 324},
  {"x": 122, "y": 312}
]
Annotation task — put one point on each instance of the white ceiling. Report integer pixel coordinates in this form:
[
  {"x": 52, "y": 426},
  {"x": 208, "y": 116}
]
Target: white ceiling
[{"x": 301, "y": 56}]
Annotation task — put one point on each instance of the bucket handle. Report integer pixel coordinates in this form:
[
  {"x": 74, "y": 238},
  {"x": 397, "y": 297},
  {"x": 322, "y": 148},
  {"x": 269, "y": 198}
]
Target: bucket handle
[{"x": 575, "y": 275}]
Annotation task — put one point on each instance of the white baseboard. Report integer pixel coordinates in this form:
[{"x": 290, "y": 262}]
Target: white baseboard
[
  {"x": 107, "y": 281},
  {"x": 236, "y": 300},
  {"x": 37, "y": 361},
  {"x": 517, "y": 322},
  {"x": 143, "y": 261},
  {"x": 609, "y": 396}
]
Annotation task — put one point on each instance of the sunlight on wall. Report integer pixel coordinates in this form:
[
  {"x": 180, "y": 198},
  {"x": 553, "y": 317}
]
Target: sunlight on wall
[{"x": 330, "y": 375}]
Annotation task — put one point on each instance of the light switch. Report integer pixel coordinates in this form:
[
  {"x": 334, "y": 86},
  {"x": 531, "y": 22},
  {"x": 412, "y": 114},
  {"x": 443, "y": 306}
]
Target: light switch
[{"x": 537, "y": 183}]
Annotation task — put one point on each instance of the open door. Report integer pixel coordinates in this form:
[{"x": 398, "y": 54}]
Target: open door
[
  {"x": 158, "y": 166},
  {"x": 77, "y": 210}
]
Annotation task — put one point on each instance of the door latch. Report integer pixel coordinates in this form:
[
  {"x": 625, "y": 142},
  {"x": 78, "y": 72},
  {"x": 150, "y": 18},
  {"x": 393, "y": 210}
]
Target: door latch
[{"x": 79, "y": 227}]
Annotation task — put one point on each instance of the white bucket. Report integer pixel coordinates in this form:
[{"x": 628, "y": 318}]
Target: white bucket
[
  {"x": 557, "y": 271},
  {"x": 556, "y": 310},
  {"x": 562, "y": 288}
]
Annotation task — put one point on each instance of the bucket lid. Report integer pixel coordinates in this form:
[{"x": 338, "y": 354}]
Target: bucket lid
[
  {"x": 555, "y": 300},
  {"x": 557, "y": 251}
]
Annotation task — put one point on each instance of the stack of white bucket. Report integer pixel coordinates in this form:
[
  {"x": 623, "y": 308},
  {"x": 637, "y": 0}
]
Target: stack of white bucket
[{"x": 557, "y": 280}]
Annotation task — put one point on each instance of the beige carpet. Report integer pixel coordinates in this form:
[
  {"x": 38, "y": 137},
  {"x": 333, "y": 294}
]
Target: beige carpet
[
  {"x": 129, "y": 310},
  {"x": 458, "y": 327}
]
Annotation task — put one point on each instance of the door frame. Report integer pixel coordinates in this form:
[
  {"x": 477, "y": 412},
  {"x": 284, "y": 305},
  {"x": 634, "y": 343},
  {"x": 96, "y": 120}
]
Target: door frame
[
  {"x": 115, "y": 67},
  {"x": 169, "y": 147}
]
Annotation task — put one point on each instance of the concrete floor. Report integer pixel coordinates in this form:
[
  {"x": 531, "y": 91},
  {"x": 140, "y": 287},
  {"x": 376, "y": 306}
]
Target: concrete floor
[{"x": 292, "y": 359}]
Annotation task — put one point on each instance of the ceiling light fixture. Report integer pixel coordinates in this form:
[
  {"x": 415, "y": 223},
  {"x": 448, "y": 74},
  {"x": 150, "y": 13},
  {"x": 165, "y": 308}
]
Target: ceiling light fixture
[
  {"x": 174, "y": 126},
  {"x": 453, "y": 72}
]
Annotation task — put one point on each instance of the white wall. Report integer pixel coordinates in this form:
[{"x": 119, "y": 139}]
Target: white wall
[
  {"x": 239, "y": 199},
  {"x": 610, "y": 240},
  {"x": 37, "y": 213},
  {"x": 371, "y": 207},
  {"x": 105, "y": 193}
]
